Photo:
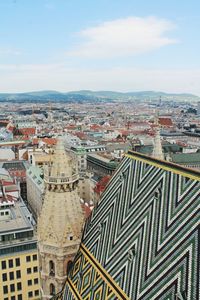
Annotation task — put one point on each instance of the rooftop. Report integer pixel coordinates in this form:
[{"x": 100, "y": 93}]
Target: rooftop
[{"x": 19, "y": 218}]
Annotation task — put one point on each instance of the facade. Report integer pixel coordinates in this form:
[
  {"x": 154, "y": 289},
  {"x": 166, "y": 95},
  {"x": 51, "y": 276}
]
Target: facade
[
  {"x": 19, "y": 270},
  {"x": 141, "y": 242},
  {"x": 60, "y": 222},
  {"x": 35, "y": 189},
  {"x": 101, "y": 165},
  {"x": 80, "y": 155},
  {"x": 86, "y": 187},
  {"x": 17, "y": 171},
  {"x": 38, "y": 157},
  {"x": 189, "y": 160}
]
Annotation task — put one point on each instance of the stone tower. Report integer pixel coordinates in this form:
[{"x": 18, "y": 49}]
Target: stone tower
[
  {"x": 157, "y": 146},
  {"x": 60, "y": 222}
]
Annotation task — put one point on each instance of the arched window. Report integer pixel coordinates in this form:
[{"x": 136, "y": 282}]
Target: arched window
[
  {"x": 69, "y": 266},
  {"x": 52, "y": 289},
  {"x": 51, "y": 268}
]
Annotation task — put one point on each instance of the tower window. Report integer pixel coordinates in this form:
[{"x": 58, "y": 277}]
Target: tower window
[
  {"x": 70, "y": 237},
  {"x": 51, "y": 268},
  {"x": 69, "y": 266},
  {"x": 52, "y": 289}
]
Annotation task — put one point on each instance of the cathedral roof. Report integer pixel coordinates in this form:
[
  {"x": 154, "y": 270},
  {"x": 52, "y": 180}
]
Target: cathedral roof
[{"x": 141, "y": 240}]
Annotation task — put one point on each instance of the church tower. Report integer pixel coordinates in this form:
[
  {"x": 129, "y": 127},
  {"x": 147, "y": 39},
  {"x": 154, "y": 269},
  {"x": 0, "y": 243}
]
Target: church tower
[
  {"x": 60, "y": 222},
  {"x": 157, "y": 146}
]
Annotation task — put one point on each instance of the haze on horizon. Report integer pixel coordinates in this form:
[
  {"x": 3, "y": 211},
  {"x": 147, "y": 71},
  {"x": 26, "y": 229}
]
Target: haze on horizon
[{"x": 114, "y": 45}]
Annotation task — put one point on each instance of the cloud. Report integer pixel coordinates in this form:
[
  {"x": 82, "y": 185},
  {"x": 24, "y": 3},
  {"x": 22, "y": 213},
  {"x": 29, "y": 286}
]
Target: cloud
[{"x": 124, "y": 37}]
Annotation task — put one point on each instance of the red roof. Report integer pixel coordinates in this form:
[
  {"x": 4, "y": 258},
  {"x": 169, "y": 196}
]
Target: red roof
[
  {"x": 95, "y": 127},
  {"x": 86, "y": 209},
  {"x": 27, "y": 131},
  {"x": 48, "y": 141},
  {"x": 165, "y": 121},
  {"x": 81, "y": 135},
  {"x": 101, "y": 185}
]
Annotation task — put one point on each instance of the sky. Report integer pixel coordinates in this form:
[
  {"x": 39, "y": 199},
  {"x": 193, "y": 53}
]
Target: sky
[{"x": 120, "y": 45}]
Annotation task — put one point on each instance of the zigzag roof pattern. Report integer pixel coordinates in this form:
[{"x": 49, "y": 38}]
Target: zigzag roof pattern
[{"x": 141, "y": 241}]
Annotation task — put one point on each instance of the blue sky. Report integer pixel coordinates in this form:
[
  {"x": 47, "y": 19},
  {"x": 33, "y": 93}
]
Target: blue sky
[{"x": 123, "y": 45}]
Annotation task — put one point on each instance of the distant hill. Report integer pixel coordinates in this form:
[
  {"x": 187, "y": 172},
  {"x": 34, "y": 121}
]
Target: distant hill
[{"x": 89, "y": 96}]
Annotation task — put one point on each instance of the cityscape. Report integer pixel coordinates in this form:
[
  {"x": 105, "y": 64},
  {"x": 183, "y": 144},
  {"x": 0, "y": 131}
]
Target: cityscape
[{"x": 99, "y": 173}]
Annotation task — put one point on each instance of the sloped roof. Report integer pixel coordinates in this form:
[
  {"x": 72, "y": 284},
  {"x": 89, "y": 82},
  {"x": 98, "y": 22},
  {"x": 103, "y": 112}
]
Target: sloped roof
[{"x": 141, "y": 240}]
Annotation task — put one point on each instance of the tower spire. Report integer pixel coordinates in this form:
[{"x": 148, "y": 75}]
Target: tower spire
[
  {"x": 60, "y": 222},
  {"x": 157, "y": 146}
]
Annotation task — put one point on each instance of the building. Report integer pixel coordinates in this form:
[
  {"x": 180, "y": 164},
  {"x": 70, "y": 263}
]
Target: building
[
  {"x": 17, "y": 170},
  {"x": 101, "y": 164},
  {"x": 19, "y": 272},
  {"x": 189, "y": 160},
  {"x": 80, "y": 155},
  {"x": 100, "y": 187},
  {"x": 141, "y": 241},
  {"x": 39, "y": 157},
  {"x": 86, "y": 187},
  {"x": 60, "y": 222},
  {"x": 35, "y": 189}
]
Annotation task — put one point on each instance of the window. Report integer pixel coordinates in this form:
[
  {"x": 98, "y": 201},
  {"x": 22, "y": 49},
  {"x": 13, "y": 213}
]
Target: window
[
  {"x": 35, "y": 269},
  {"x": 12, "y": 287},
  {"x": 36, "y": 281},
  {"x": 37, "y": 293},
  {"x": 29, "y": 282},
  {"x": 17, "y": 262},
  {"x": 19, "y": 286},
  {"x": 19, "y": 297},
  {"x": 35, "y": 257},
  {"x": 51, "y": 268},
  {"x": 18, "y": 274},
  {"x": 30, "y": 294},
  {"x": 3, "y": 265},
  {"x": 10, "y": 263},
  {"x": 69, "y": 266},
  {"x": 6, "y": 298},
  {"x": 28, "y": 270},
  {"x": 52, "y": 289},
  {"x": 11, "y": 275},
  {"x": 28, "y": 258},
  {"x": 4, "y": 277},
  {"x": 12, "y": 298},
  {"x": 5, "y": 289}
]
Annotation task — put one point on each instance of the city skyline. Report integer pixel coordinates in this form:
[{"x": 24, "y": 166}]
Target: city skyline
[{"x": 120, "y": 45}]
